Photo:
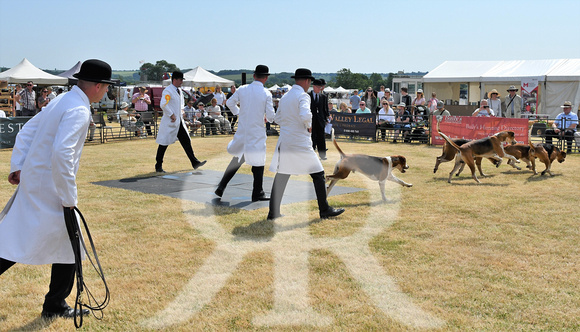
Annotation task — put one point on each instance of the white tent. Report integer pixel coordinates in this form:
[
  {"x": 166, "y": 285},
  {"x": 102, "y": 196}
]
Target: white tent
[
  {"x": 26, "y": 71},
  {"x": 329, "y": 89},
  {"x": 199, "y": 77},
  {"x": 558, "y": 80},
  {"x": 275, "y": 87},
  {"x": 69, "y": 73}
]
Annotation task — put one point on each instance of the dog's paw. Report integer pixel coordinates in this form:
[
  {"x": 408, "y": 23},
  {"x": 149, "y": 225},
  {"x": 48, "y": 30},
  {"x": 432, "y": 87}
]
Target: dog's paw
[{"x": 409, "y": 185}]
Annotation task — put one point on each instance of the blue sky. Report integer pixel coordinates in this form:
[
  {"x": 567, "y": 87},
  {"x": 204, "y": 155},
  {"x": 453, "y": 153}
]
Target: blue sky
[{"x": 325, "y": 36}]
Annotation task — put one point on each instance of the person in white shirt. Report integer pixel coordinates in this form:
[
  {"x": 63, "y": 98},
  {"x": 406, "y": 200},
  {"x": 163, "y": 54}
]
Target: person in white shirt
[
  {"x": 483, "y": 109},
  {"x": 385, "y": 118},
  {"x": 294, "y": 153},
  {"x": 45, "y": 160},
  {"x": 249, "y": 142}
]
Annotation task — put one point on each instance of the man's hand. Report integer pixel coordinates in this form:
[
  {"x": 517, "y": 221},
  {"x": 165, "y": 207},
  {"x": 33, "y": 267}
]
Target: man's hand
[
  {"x": 14, "y": 177},
  {"x": 173, "y": 117}
]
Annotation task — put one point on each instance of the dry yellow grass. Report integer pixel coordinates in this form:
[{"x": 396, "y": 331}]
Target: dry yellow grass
[{"x": 501, "y": 255}]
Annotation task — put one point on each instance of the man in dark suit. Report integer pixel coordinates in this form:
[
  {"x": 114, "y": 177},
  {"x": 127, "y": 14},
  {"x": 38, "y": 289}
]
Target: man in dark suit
[{"x": 320, "y": 114}]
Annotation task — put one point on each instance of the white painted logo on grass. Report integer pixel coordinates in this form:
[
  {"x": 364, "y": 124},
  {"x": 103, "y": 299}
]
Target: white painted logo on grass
[{"x": 291, "y": 245}]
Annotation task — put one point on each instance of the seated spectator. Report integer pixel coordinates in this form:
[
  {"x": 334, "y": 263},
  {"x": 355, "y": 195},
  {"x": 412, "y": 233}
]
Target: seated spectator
[
  {"x": 564, "y": 126},
  {"x": 215, "y": 112},
  {"x": 363, "y": 108},
  {"x": 483, "y": 109},
  {"x": 402, "y": 121},
  {"x": 206, "y": 120},
  {"x": 344, "y": 108},
  {"x": 189, "y": 115},
  {"x": 385, "y": 118}
]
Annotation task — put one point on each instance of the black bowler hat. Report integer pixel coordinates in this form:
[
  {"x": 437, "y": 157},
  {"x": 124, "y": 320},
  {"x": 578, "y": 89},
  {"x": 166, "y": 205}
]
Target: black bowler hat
[
  {"x": 177, "y": 75},
  {"x": 95, "y": 71},
  {"x": 322, "y": 81},
  {"x": 303, "y": 73},
  {"x": 317, "y": 82},
  {"x": 262, "y": 70}
]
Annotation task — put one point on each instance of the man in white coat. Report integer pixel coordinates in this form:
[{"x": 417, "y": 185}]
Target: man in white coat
[
  {"x": 44, "y": 163},
  {"x": 294, "y": 154},
  {"x": 249, "y": 142},
  {"x": 172, "y": 126}
]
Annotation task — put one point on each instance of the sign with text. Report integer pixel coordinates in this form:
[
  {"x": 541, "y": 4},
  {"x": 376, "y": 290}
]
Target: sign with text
[
  {"x": 361, "y": 124},
  {"x": 471, "y": 127},
  {"x": 9, "y": 128}
]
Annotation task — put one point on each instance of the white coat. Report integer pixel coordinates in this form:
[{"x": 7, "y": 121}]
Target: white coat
[
  {"x": 294, "y": 154},
  {"x": 250, "y": 138},
  {"x": 47, "y": 153},
  {"x": 171, "y": 103}
]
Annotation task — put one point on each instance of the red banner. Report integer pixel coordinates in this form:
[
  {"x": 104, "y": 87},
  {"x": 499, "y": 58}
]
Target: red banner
[{"x": 471, "y": 127}]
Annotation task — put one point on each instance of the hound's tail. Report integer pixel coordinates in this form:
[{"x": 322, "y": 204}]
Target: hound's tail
[
  {"x": 447, "y": 138},
  {"x": 336, "y": 144}
]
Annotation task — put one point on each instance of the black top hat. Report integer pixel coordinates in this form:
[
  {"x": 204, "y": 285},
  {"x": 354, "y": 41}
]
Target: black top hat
[
  {"x": 303, "y": 73},
  {"x": 317, "y": 82},
  {"x": 95, "y": 71},
  {"x": 176, "y": 75},
  {"x": 262, "y": 70}
]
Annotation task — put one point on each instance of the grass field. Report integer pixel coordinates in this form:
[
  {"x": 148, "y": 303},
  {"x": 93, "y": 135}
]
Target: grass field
[{"x": 502, "y": 255}]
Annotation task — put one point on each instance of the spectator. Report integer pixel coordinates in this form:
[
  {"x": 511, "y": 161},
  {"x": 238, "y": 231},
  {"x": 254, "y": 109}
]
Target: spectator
[
  {"x": 433, "y": 102},
  {"x": 483, "y": 110},
  {"x": 220, "y": 97},
  {"x": 381, "y": 92},
  {"x": 370, "y": 99},
  {"x": 441, "y": 111},
  {"x": 215, "y": 112},
  {"x": 331, "y": 107},
  {"x": 513, "y": 103},
  {"x": 2, "y": 114},
  {"x": 233, "y": 118},
  {"x": 16, "y": 97},
  {"x": 344, "y": 108},
  {"x": 206, "y": 120},
  {"x": 141, "y": 100},
  {"x": 385, "y": 118},
  {"x": 405, "y": 99},
  {"x": 190, "y": 117},
  {"x": 354, "y": 100},
  {"x": 388, "y": 97},
  {"x": 27, "y": 99},
  {"x": 42, "y": 99},
  {"x": 564, "y": 126},
  {"x": 418, "y": 107},
  {"x": 51, "y": 94},
  {"x": 494, "y": 102},
  {"x": 363, "y": 108},
  {"x": 402, "y": 121}
]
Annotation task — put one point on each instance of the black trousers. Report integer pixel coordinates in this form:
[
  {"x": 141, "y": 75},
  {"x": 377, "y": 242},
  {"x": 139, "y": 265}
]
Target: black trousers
[
  {"x": 234, "y": 166},
  {"x": 279, "y": 186},
  {"x": 185, "y": 142},
  {"x": 61, "y": 283},
  {"x": 568, "y": 134},
  {"x": 318, "y": 140}
]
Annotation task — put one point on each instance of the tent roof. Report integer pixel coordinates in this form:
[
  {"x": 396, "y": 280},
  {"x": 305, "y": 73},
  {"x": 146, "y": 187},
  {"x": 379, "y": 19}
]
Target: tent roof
[
  {"x": 200, "y": 77},
  {"x": 69, "y": 73},
  {"x": 26, "y": 71},
  {"x": 504, "y": 71}
]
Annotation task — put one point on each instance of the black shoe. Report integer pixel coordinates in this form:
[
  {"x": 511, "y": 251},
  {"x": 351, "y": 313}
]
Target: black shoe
[
  {"x": 273, "y": 217},
  {"x": 262, "y": 197},
  {"x": 330, "y": 212},
  {"x": 67, "y": 312},
  {"x": 199, "y": 164},
  {"x": 219, "y": 191},
  {"x": 159, "y": 170}
]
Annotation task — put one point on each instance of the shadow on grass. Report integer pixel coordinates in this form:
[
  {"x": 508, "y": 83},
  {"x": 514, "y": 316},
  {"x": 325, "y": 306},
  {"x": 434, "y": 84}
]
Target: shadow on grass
[
  {"x": 540, "y": 177},
  {"x": 35, "y": 325}
]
